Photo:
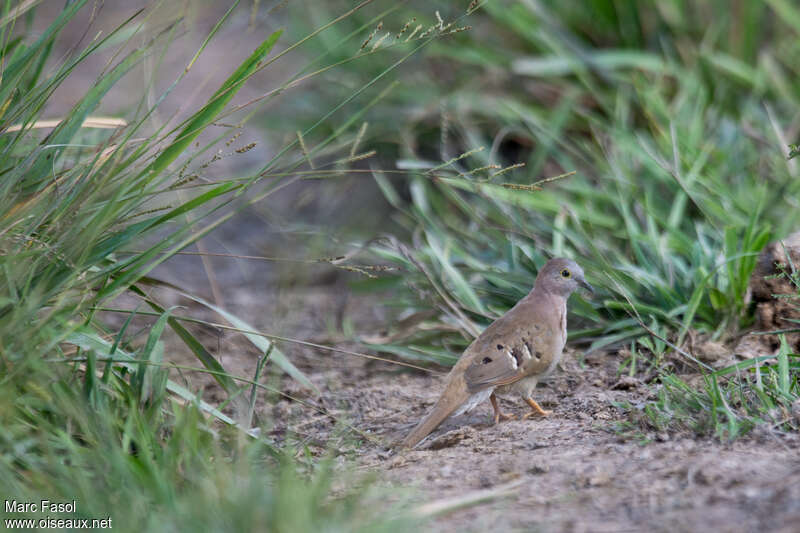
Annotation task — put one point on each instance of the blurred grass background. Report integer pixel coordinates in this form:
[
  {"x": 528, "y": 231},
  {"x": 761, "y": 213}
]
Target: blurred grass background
[
  {"x": 91, "y": 205},
  {"x": 675, "y": 119},
  {"x": 667, "y": 124}
]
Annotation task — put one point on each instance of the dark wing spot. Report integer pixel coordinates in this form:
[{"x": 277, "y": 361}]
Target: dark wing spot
[
  {"x": 499, "y": 346},
  {"x": 515, "y": 353},
  {"x": 537, "y": 354},
  {"x": 487, "y": 360}
]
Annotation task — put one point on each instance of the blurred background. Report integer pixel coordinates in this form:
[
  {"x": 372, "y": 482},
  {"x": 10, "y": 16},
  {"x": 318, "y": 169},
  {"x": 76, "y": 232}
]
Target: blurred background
[
  {"x": 676, "y": 118},
  {"x": 382, "y": 177},
  {"x": 407, "y": 167}
]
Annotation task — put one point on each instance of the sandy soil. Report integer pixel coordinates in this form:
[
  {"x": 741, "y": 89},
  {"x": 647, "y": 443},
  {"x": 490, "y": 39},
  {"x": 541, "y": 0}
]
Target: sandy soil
[{"x": 575, "y": 471}]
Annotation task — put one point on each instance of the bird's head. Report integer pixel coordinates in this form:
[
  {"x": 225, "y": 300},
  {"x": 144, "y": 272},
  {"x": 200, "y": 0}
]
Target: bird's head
[{"x": 561, "y": 276}]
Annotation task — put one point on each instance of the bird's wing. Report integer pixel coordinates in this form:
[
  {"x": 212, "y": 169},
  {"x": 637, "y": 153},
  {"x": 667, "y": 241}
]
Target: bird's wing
[{"x": 521, "y": 343}]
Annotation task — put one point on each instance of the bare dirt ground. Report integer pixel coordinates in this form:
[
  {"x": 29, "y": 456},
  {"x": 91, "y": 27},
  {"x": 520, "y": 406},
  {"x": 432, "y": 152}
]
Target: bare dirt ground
[{"x": 574, "y": 471}]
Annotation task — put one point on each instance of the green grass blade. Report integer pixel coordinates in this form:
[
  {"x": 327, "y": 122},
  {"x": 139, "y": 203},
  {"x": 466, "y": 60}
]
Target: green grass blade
[
  {"x": 153, "y": 351},
  {"x": 784, "y": 380},
  {"x": 215, "y": 105},
  {"x": 205, "y": 357},
  {"x": 88, "y": 340},
  {"x": 117, "y": 240},
  {"x": 67, "y": 129},
  {"x": 264, "y": 345}
]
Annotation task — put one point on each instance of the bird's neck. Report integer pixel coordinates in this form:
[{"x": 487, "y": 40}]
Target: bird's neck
[
  {"x": 540, "y": 293},
  {"x": 554, "y": 302}
]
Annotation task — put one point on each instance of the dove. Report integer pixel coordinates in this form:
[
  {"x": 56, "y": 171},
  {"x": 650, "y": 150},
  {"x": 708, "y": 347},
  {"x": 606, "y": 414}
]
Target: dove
[{"x": 513, "y": 354}]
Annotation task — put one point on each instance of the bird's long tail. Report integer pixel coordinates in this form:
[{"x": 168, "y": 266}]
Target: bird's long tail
[{"x": 455, "y": 395}]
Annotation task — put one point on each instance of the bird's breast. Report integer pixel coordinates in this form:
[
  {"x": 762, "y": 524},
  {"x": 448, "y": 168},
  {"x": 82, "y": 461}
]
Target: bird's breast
[{"x": 522, "y": 387}]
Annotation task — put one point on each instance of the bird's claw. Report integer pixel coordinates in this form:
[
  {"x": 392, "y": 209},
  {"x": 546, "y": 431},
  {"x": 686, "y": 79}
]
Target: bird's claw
[
  {"x": 503, "y": 416},
  {"x": 536, "y": 413},
  {"x": 537, "y": 409}
]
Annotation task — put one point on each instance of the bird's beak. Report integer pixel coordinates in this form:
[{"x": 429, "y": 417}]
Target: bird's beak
[{"x": 583, "y": 283}]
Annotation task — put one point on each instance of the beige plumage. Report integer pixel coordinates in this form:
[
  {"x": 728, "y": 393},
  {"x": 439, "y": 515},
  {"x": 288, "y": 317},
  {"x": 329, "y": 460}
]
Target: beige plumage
[{"x": 513, "y": 353}]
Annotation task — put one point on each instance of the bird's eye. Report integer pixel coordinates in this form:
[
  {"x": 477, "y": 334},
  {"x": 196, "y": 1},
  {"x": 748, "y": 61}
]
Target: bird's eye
[{"x": 565, "y": 273}]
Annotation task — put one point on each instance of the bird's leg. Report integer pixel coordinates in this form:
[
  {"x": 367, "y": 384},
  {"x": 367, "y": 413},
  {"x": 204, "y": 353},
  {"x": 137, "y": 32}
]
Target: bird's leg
[
  {"x": 537, "y": 410},
  {"x": 498, "y": 414}
]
